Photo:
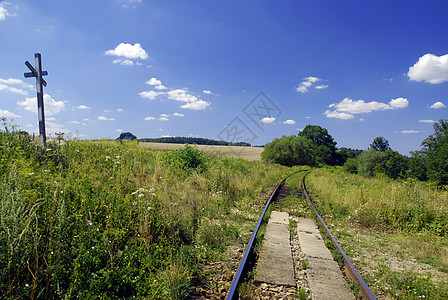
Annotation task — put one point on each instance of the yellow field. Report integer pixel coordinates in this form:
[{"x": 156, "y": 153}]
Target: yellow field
[{"x": 249, "y": 153}]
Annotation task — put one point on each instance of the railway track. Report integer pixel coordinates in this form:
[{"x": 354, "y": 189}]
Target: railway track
[{"x": 243, "y": 268}]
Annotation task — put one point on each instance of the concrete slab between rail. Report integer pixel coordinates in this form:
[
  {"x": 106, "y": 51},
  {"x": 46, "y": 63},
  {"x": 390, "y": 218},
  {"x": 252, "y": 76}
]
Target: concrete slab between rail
[
  {"x": 324, "y": 277},
  {"x": 275, "y": 265},
  {"x": 326, "y": 281}
]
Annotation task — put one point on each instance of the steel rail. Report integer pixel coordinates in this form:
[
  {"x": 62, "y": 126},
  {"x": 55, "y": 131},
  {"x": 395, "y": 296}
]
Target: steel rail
[
  {"x": 233, "y": 291},
  {"x": 348, "y": 264}
]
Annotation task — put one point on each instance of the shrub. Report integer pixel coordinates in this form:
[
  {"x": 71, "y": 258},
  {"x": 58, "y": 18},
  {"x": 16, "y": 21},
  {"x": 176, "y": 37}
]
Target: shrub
[{"x": 187, "y": 158}]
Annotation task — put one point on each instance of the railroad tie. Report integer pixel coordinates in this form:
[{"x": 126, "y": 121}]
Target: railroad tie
[
  {"x": 275, "y": 264},
  {"x": 324, "y": 277}
]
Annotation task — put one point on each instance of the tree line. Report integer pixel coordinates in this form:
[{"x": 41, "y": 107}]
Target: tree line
[
  {"x": 181, "y": 140},
  {"x": 314, "y": 146}
]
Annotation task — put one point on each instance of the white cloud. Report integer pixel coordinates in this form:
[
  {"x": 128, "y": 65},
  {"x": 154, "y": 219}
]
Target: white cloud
[
  {"x": 103, "y": 118},
  {"x": 50, "y": 119},
  {"x": 163, "y": 119},
  {"x": 160, "y": 87},
  {"x": 289, "y": 122},
  {"x": 426, "y": 121},
  {"x": 119, "y": 130},
  {"x": 196, "y": 105},
  {"x": 19, "y": 82},
  {"x": 51, "y": 106},
  {"x": 154, "y": 81},
  {"x": 164, "y": 115},
  {"x": 165, "y": 135},
  {"x": 207, "y": 92},
  {"x": 338, "y": 115},
  {"x": 120, "y": 110},
  {"x": 430, "y": 68},
  {"x": 346, "y": 109},
  {"x": 181, "y": 95},
  {"x": 399, "y": 103},
  {"x": 4, "y": 12},
  {"x": 4, "y": 87},
  {"x": 128, "y": 51},
  {"x": 74, "y": 122},
  {"x": 308, "y": 82},
  {"x": 267, "y": 120},
  {"x": 438, "y": 105},
  {"x": 410, "y": 131},
  {"x": 149, "y": 118},
  {"x": 151, "y": 95},
  {"x": 178, "y": 115},
  {"x": 123, "y": 62},
  {"x": 82, "y": 106},
  {"x": 8, "y": 114}
]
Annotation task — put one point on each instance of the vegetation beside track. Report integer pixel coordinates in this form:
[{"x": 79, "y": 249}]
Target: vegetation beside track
[
  {"x": 111, "y": 220},
  {"x": 395, "y": 232}
]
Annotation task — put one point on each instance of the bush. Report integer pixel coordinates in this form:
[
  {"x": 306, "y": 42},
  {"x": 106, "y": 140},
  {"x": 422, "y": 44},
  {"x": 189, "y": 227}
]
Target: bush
[
  {"x": 289, "y": 151},
  {"x": 351, "y": 165},
  {"x": 187, "y": 158}
]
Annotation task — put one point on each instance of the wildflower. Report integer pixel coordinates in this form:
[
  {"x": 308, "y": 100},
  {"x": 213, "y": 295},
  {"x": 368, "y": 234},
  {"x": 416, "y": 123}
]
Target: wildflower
[
  {"x": 27, "y": 285},
  {"x": 90, "y": 223},
  {"x": 31, "y": 173}
]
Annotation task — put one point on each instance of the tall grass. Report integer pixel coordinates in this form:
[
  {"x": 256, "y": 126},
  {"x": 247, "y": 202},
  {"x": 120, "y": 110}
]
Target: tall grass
[
  {"x": 112, "y": 220},
  {"x": 381, "y": 202}
]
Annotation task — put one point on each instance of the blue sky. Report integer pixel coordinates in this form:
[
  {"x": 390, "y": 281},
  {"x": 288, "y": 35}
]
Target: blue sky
[{"x": 361, "y": 69}]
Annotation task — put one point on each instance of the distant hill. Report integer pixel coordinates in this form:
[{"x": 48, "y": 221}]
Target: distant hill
[{"x": 192, "y": 140}]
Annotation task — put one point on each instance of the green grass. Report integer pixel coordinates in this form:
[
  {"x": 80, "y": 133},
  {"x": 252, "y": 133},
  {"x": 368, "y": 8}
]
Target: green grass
[
  {"x": 393, "y": 231},
  {"x": 104, "y": 219}
]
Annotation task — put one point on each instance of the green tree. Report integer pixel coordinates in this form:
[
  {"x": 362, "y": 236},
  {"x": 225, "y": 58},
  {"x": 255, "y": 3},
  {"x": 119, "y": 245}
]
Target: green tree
[
  {"x": 380, "y": 144},
  {"x": 368, "y": 160},
  {"x": 325, "y": 145},
  {"x": 435, "y": 150},
  {"x": 289, "y": 151}
]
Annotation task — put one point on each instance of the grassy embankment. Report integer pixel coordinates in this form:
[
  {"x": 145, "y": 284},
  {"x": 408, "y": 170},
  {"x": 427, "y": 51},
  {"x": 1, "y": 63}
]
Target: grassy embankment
[
  {"x": 396, "y": 232},
  {"x": 115, "y": 220}
]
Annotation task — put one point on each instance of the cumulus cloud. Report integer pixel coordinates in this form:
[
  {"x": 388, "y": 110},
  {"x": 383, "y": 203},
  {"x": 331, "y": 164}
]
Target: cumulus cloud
[
  {"x": 430, "y": 68},
  {"x": 196, "y": 105},
  {"x": 103, "y": 118},
  {"x": 178, "y": 114},
  {"x": 119, "y": 130},
  {"x": 51, "y": 106},
  {"x": 154, "y": 81},
  {"x": 289, "y": 122},
  {"x": 346, "y": 109},
  {"x": 426, "y": 121},
  {"x": 16, "y": 86},
  {"x": 149, "y": 118},
  {"x": 207, "y": 92},
  {"x": 308, "y": 82},
  {"x": 338, "y": 115},
  {"x": 127, "y": 53},
  {"x": 410, "y": 131},
  {"x": 164, "y": 115},
  {"x": 438, "y": 105},
  {"x": 181, "y": 95},
  {"x": 82, "y": 106},
  {"x": 151, "y": 95},
  {"x": 267, "y": 120},
  {"x": 163, "y": 119},
  {"x": 4, "y": 12},
  {"x": 399, "y": 103},
  {"x": 8, "y": 114}
]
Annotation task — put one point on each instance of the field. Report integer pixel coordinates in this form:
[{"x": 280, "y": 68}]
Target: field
[
  {"x": 111, "y": 220},
  {"x": 248, "y": 153}
]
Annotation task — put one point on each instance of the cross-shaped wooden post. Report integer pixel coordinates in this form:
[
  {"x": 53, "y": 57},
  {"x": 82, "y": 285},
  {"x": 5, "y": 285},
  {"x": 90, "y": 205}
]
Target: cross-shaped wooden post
[{"x": 40, "y": 93}]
